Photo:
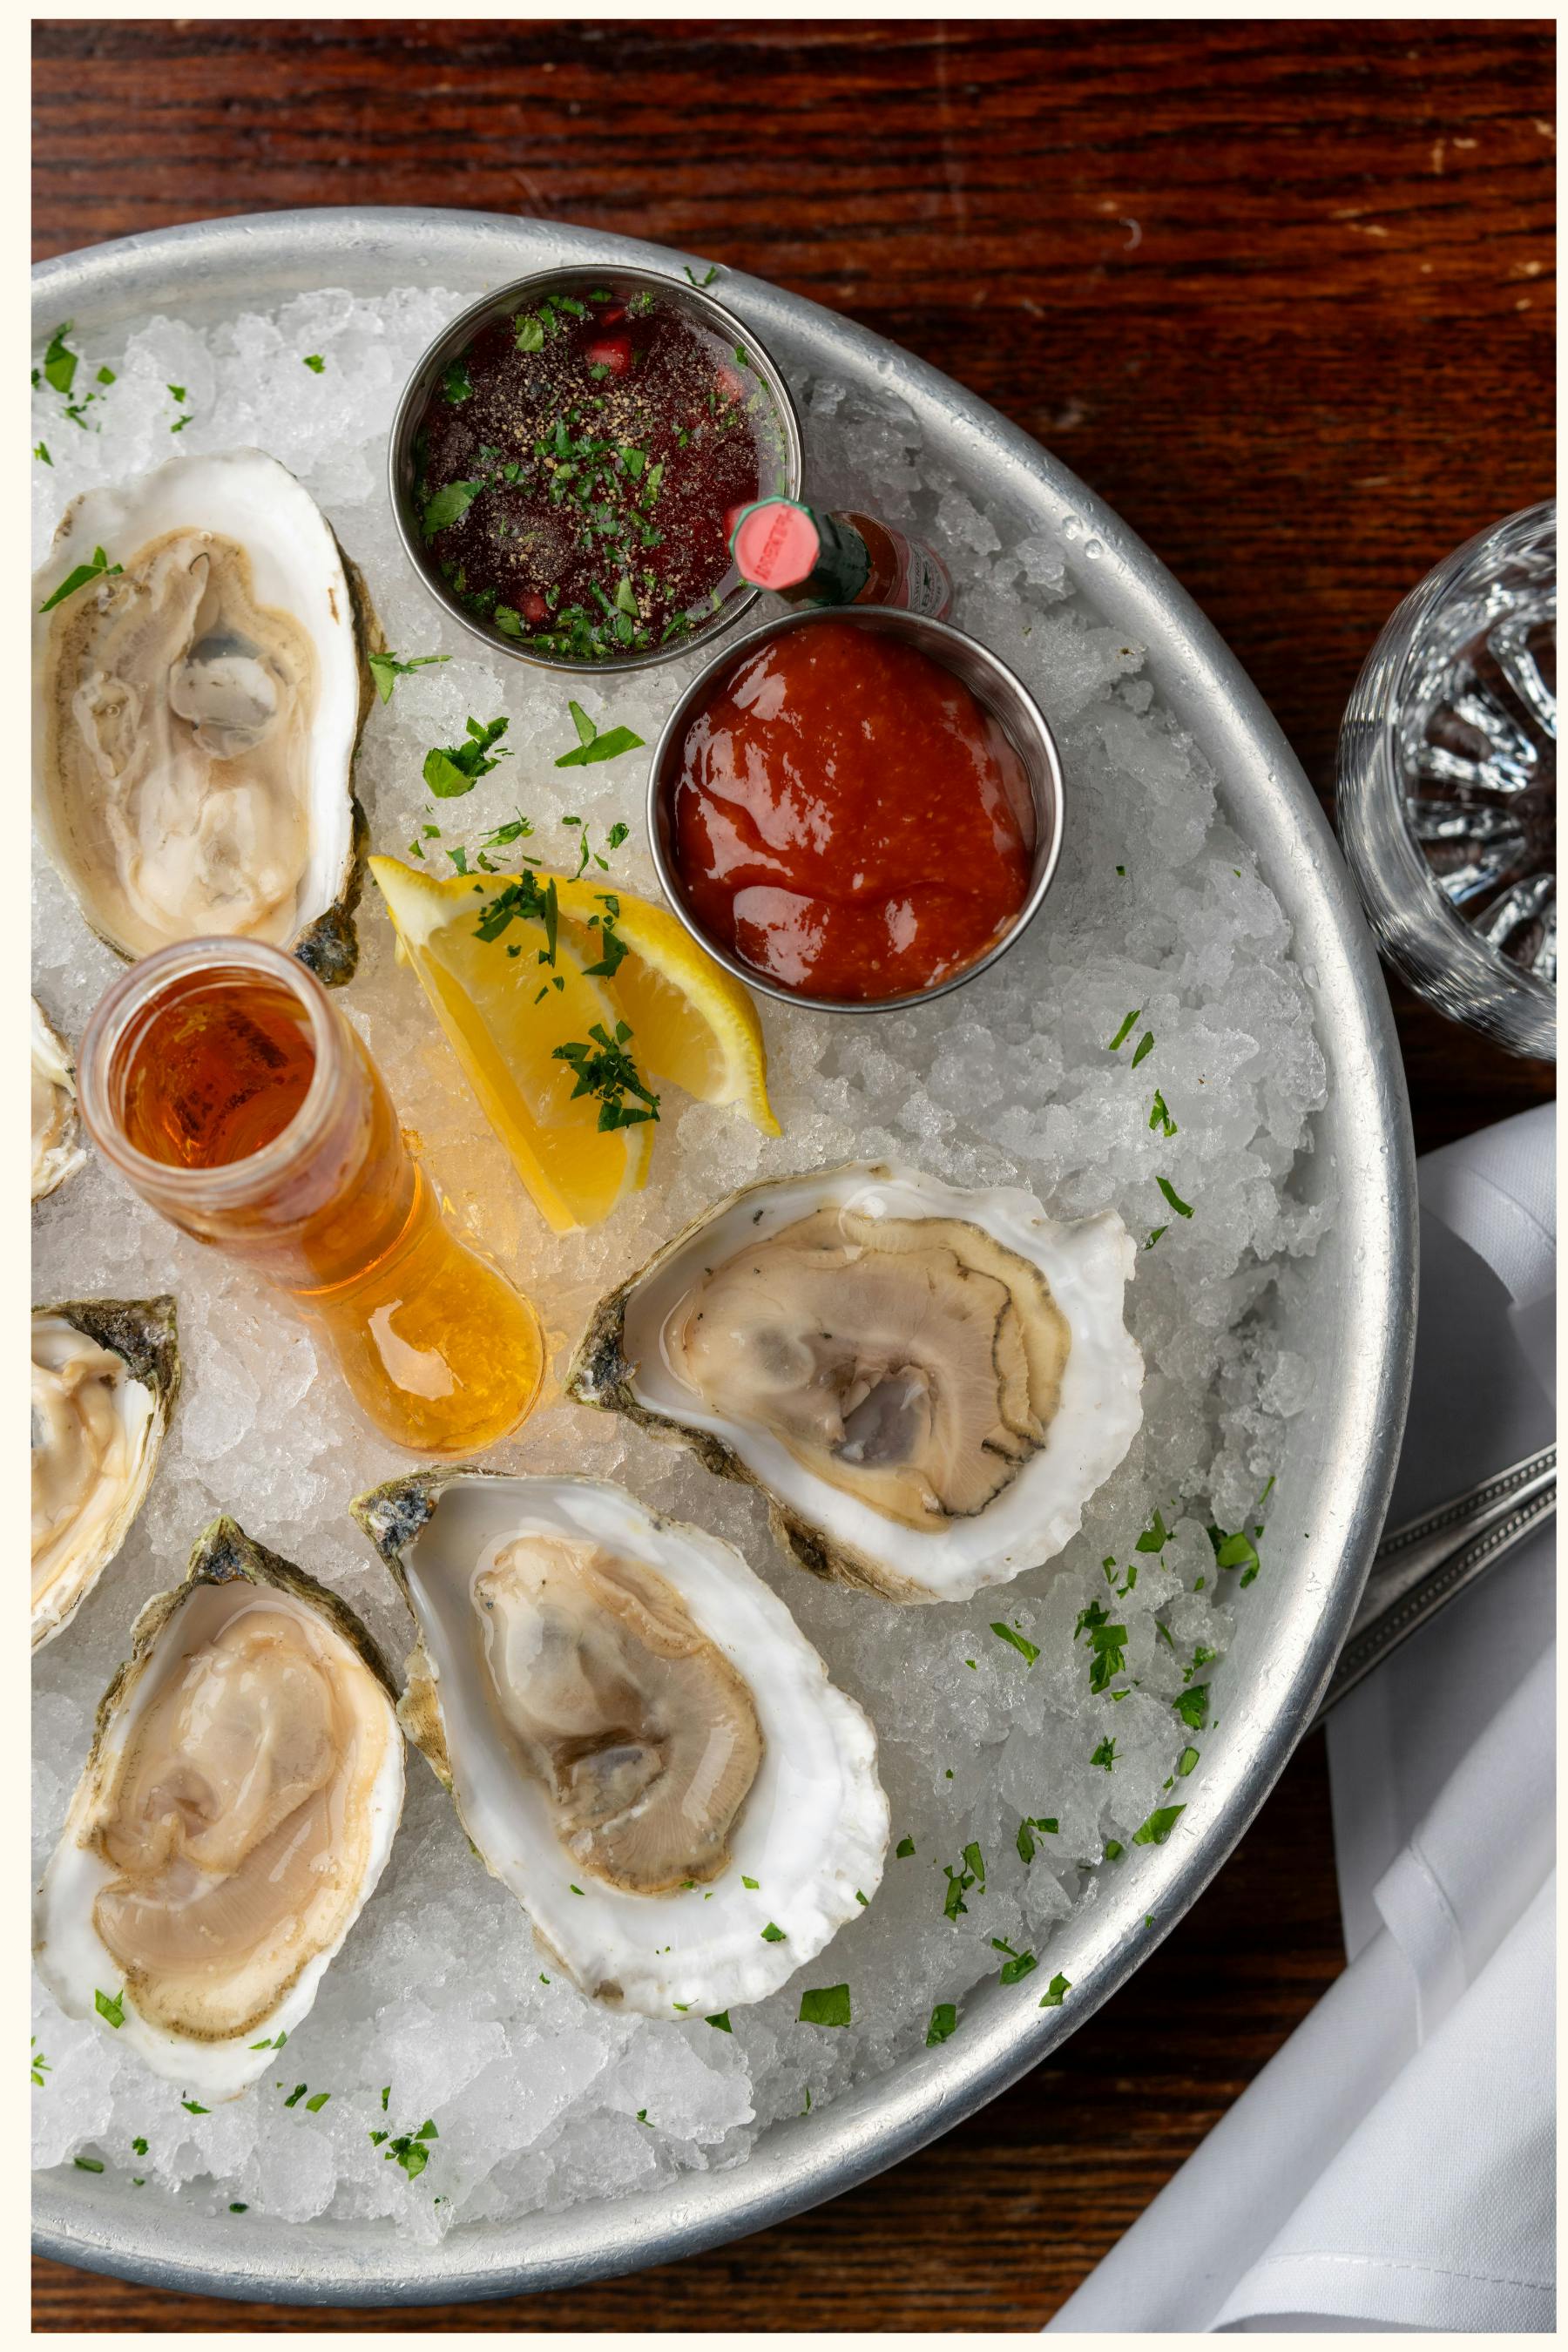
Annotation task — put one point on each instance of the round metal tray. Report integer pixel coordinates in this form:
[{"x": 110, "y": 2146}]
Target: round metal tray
[{"x": 1355, "y": 1329}]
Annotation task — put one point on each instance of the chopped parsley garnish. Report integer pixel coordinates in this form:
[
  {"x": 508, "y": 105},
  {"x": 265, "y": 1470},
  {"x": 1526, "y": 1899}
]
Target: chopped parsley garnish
[
  {"x": 806, "y": 2109},
  {"x": 1184, "y": 1762},
  {"x": 100, "y": 568},
  {"x": 192, "y": 2108},
  {"x": 60, "y": 362},
  {"x": 1045, "y": 1823},
  {"x": 974, "y": 1860},
  {"x": 575, "y": 1888},
  {"x": 1182, "y": 1208},
  {"x": 772, "y": 1935},
  {"x": 1058, "y": 1987},
  {"x": 1155, "y": 1236},
  {"x": 752, "y": 1883},
  {"x": 296, "y": 2095},
  {"x": 903, "y": 1850},
  {"x": 1236, "y": 1550},
  {"x": 450, "y": 771},
  {"x": 138, "y": 2146},
  {"x": 1159, "y": 1116},
  {"x": 957, "y": 1882},
  {"x": 611, "y": 1075},
  {"x": 721, "y": 2020},
  {"x": 1027, "y": 1651},
  {"x": 410, "y": 2151},
  {"x": 825, "y": 2005},
  {"x": 314, "y": 362},
  {"x": 386, "y": 669},
  {"x": 1113, "y": 1849},
  {"x": 861, "y": 1899},
  {"x": 943, "y": 2024},
  {"x": 1193, "y": 1705},
  {"x": 1126, "y": 1030},
  {"x": 1159, "y": 1825},
  {"x": 239, "y": 2209},
  {"x": 448, "y": 505},
  {"x": 38, "y": 2063},
  {"x": 87, "y": 2163},
  {"x": 1145, "y": 1046},
  {"x": 1105, "y": 1755},
  {"x": 454, "y": 383},
  {"x": 591, "y": 747},
  {"x": 276, "y": 2043},
  {"x": 1017, "y": 1964},
  {"x": 317, "y": 2101},
  {"x": 111, "y": 2006},
  {"x": 642, "y": 2117},
  {"x": 1156, "y": 1536},
  {"x": 41, "y": 451},
  {"x": 699, "y": 282}
]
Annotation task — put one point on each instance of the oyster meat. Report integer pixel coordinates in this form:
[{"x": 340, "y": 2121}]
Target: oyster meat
[
  {"x": 236, "y": 1808},
  {"x": 197, "y": 710},
  {"x": 640, "y": 1742},
  {"x": 106, "y": 1373},
  {"x": 57, "y": 1151},
  {"x": 928, "y": 1383}
]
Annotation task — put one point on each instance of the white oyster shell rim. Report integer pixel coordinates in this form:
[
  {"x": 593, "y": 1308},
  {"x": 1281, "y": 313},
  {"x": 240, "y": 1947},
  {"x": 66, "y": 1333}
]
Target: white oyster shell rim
[
  {"x": 297, "y": 566},
  {"x": 813, "y": 1832},
  {"x": 70, "y": 1957},
  {"x": 52, "y": 1065},
  {"x": 1088, "y": 1265}
]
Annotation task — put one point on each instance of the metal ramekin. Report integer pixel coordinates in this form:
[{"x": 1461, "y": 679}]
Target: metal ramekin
[
  {"x": 500, "y": 302},
  {"x": 994, "y": 686}
]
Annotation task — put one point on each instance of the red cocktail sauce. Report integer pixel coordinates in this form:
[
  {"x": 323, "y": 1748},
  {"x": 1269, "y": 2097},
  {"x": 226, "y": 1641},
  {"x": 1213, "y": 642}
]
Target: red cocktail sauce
[{"x": 848, "y": 820}]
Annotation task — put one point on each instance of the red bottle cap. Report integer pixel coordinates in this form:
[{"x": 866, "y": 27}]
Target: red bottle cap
[{"x": 775, "y": 543}]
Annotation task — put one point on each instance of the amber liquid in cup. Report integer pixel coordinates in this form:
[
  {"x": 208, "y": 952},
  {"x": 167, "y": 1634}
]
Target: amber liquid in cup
[{"x": 225, "y": 1086}]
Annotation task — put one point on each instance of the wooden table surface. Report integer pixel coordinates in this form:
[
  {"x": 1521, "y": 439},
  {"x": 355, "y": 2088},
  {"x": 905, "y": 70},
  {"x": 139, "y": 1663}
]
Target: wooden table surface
[{"x": 1282, "y": 293}]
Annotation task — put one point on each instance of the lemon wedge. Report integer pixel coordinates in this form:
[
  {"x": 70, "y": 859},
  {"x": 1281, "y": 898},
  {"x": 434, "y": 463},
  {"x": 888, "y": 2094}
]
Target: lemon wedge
[
  {"x": 508, "y": 1002},
  {"x": 695, "y": 1027}
]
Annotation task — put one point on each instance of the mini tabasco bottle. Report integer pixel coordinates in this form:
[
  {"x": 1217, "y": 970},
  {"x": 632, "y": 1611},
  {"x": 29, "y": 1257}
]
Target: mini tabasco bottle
[{"x": 810, "y": 558}]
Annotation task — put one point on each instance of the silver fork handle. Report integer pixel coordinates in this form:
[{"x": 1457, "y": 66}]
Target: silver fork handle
[{"x": 1420, "y": 1568}]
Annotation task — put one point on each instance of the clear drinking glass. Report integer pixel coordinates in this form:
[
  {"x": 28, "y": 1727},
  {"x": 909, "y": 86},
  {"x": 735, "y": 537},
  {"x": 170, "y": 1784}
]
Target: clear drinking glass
[{"x": 1447, "y": 785}]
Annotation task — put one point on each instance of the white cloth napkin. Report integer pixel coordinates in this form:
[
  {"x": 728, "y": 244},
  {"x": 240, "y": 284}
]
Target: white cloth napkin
[{"x": 1393, "y": 2167}]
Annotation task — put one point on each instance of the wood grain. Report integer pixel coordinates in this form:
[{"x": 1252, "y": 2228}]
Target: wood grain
[{"x": 1282, "y": 293}]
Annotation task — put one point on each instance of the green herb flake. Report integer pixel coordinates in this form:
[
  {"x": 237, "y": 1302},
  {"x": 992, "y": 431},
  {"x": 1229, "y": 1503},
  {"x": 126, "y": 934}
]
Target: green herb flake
[
  {"x": 975, "y": 1861},
  {"x": 1185, "y": 1761},
  {"x": 1182, "y": 1208},
  {"x": 1028, "y": 1650},
  {"x": 239, "y": 2209},
  {"x": 296, "y": 2095},
  {"x": 1160, "y": 1118},
  {"x": 1156, "y": 1536},
  {"x": 60, "y": 362},
  {"x": 41, "y": 451},
  {"x": 192, "y": 2108},
  {"x": 1126, "y": 1030},
  {"x": 1145, "y": 1046},
  {"x": 39, "y": 2065},
  {"x": 1155, "y": 1236},
  {"x": 1016, "y": 1965},
  {"x": 317, "y": 2102},
  {"x": 1105, "y": 1755},
  {"x": 772, "y": 1935},
  {"x": 314, "y": 362},
  {"x": 1159, "y": 1825},
  {"x": 1113, "y": 1849},
  {"x": 720, "y": 2021},
  {"x": 111, "y": 2006},
  {"x": 454, "y": 769},
  {"x": 100, "y": 568},
  {"x": 903, "y": 1850},
  {"x": 825, "y": 2005},
  {"x": 1045, "y": 1823},
  {"x": 448, "y": 505},
  {"x": 386, "y": 669},
  {"x": 1193, "y": 1705},
  {"x": 87, "y": 2163},
  {"x": 603, "y": 1068},
  {"x": 943, "y": 2024},
  {"x": 454, "y": 383},
  {"x": 592, "y": 748},
  {"x": 1058, "y": 1987}
]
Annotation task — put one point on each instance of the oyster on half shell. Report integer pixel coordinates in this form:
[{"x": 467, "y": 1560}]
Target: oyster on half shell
[
  {"x": 236, "y": 1808},
  {"x": 56, "y": 1148},
  {"x": 640, "y": 1742},
  {"x": 928, "y": 1384},
  {"x": 106, "y": 1372},
  {"x": 196, "y": 708}
]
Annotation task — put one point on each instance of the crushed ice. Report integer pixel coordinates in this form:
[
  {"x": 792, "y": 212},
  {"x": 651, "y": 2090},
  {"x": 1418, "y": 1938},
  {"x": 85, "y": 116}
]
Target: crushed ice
[{"x": 537, "y": 2097}]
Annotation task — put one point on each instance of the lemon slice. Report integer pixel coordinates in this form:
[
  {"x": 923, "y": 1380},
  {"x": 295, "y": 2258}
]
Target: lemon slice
[
  {"x": 504, "y": 1016},
  {"x": 695, "y": 1027}
]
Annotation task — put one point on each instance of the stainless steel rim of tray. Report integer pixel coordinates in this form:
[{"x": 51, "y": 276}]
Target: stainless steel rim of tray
[{"x": 1355, "y": 1330}]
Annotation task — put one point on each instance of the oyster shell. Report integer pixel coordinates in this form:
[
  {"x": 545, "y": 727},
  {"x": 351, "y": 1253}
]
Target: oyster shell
[
  {"x": 106, "y": 1372},
  {"x": 640, "y": 1742},
  {"x": 928, "y": 1384},
  {"x": 197, "y": 710},
  {"x": 236, "y": 1808},
  {"x": 57, "y": 1150}
]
